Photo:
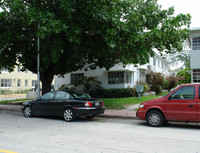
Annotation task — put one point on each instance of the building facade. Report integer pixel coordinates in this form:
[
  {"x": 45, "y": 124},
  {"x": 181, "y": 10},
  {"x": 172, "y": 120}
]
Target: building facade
[
  {"x": 194, "y": 44},
  {"x": 117, "y": 76},
  {"x": 17, "y": 80}
]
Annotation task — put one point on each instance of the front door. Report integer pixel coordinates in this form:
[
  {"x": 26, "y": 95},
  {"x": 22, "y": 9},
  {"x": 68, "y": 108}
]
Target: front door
[
  {"x": 55, "y": 106},
  {"x": 181, "y": 105},
  {"x": 43, "y": 106}
]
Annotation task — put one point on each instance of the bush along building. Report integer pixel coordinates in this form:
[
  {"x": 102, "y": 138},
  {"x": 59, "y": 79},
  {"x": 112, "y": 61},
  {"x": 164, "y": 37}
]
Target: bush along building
[{"x": 117, "y": 76}]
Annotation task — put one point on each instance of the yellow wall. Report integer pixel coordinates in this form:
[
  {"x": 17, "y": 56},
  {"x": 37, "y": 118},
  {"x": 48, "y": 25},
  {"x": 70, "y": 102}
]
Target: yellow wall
[{"x": 14, "y": 76}]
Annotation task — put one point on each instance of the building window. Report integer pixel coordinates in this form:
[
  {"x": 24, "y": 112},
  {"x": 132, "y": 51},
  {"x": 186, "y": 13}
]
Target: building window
[
  {"x": 115, "y": 77},
  {"x": 6, "y": 82},
  {"x": 154, "y": 61},
  {"x": 4, "y": 70},
  {"x": 128, "y": 77},
  {"x": 26, "y": 83},
  {"x": 77, "y": 78},
  {"x": 34, "y": 83},
  {"x": 18, "y": 83},
  {"x": 166, "y": 67},
  {"x": 19, "y": 69},
  {"x": 196, "y": 75},
  {"x": 196, "y": 43}
]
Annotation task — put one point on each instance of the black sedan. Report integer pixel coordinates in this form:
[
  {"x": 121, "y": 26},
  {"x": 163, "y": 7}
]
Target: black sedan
[{"x": 61, "y": 103}]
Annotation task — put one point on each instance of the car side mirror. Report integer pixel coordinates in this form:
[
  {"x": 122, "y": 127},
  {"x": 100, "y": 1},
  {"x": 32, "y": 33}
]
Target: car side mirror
[
  {"x": 39, "y": 99},
  {"x": 170, "y": 98}
]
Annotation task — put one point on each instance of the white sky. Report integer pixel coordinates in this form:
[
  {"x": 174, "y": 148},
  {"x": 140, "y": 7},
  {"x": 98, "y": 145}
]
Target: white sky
[{"x": 184, "y": 6}]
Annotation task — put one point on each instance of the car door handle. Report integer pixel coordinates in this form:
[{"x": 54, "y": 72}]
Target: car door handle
[{"x": 190, "y": 105}]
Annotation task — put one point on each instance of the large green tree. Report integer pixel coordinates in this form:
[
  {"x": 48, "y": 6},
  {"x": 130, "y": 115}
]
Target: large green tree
[
  {"x": 75, "y": 33},
  {"x": 180, "y": 58}
]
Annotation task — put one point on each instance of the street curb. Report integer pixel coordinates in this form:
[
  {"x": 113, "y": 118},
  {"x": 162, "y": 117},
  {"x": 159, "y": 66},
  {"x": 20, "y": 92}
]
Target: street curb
[
  {"x": 117, "y": 117},
  {"x": 17, "y": 109}
]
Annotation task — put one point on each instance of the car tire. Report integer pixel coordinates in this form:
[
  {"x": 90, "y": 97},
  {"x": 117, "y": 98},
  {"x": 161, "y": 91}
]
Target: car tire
[
  {"x": 28, "y": 112},
  {"x": 68, "y": 115},
  {"x": 155, "y": 118},
  {"x": 90, "y": 117}
]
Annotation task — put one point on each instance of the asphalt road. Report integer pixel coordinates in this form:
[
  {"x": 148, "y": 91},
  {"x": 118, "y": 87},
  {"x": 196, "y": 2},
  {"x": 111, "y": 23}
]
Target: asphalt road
[{"x": 99, "y": 135}]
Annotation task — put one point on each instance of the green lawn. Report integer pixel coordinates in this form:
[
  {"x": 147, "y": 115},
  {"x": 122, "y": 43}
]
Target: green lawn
[
  {"x": 14, "y": 102},
  {"x": 120, "y": 103}
]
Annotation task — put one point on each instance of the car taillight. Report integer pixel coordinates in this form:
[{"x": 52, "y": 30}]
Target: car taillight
[
  {"x": 102, "y": 103},
  {"x": 88, "y": 104}
]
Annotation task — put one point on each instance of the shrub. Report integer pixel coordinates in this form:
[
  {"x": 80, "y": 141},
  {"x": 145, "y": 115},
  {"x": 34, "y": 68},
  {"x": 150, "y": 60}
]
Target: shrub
[
  {"x": 155, "y": 81},
  {"x": 184, "y": 76},
  {"x": 165, "y": 84},
  {"x": 172, "y": 82},
  {"x": 118, "y": 93}
]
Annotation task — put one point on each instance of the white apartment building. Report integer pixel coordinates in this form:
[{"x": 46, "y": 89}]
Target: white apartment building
[
  {"x": 17, "y": 80},
  {"x": 194, "y": 44},
  {"x": 117, "y": 76}
]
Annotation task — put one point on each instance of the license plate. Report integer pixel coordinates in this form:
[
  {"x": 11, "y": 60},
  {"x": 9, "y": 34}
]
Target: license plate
[{"x": 97, "y": 104}]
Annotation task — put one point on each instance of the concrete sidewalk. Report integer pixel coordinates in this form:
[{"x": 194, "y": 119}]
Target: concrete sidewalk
[
  {"x": 12, "y": 96},
  {"x": 123, "y": 114}
]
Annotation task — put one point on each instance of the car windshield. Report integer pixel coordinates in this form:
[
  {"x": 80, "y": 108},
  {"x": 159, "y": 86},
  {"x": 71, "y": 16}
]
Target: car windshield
[
  {"x": 171, "y": 91},
  {"x": 81, "y": 95}
]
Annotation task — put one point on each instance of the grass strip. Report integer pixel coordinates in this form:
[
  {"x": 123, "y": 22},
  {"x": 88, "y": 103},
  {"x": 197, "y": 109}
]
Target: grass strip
[
  {"x": 14, "y": 102},
  {"x": 120, "y": 103}
]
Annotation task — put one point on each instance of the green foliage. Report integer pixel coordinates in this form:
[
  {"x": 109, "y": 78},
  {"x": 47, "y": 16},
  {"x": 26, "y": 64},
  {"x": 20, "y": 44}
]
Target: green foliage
[
  {"x": 22, "y": 91},
  {"x": 118, "y": 93},
  {"x": 177, "y": 57},
  {"x": 76, "y": 33},
  {"x": 155, "y": 81},
  {"x": 14, "y": 102},
  {"x": 184, "y": 76},
  {"x": 165, "y": 84}
]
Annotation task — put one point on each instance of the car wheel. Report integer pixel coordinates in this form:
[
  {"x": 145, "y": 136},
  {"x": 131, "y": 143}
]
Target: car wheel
[
  {"x": 90, "y": 117},
  {"x": 28, "y": 111},
  {"x": 69, "y": 115},
  {"x": 155, "y": 118}
]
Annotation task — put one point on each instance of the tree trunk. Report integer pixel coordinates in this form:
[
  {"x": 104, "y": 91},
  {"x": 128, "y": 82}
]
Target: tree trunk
[{"x": 46, "y": 80}]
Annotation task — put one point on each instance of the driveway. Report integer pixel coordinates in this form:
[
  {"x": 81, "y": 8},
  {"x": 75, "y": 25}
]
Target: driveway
[{"x": 53, "y": 135}]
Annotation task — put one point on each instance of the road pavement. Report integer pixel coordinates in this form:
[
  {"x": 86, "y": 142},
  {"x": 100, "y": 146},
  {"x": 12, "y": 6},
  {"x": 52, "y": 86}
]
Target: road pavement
[{"x": 98, "y": 135}]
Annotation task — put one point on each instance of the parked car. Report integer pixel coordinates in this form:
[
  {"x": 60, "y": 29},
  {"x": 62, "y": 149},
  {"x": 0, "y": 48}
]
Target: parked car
[
  {"x": 181, "y": 104},
  {"x": 67, "y": 104}
]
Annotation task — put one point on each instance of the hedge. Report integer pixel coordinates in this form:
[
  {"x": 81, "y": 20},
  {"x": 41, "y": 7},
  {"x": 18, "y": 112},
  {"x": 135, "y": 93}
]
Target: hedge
[{"x": 113, "y": 93}]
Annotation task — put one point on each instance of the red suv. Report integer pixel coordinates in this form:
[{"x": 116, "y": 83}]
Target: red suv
[{"x": 182, "y": 104}]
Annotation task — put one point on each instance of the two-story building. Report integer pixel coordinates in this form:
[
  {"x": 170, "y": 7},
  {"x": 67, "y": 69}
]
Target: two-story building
[
  {"x": 194, "y": 43},
  {"x": 117, "y": 76},
  {"x": 17, "y": 80}
]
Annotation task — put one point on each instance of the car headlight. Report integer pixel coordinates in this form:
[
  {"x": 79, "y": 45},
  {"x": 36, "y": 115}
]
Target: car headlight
[{"x": 141, "y": 107}]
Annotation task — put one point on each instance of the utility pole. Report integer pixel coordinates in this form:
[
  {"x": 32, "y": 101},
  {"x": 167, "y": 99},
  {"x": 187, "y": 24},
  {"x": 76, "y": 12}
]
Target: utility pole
[{"x": 38, "y": 66}]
